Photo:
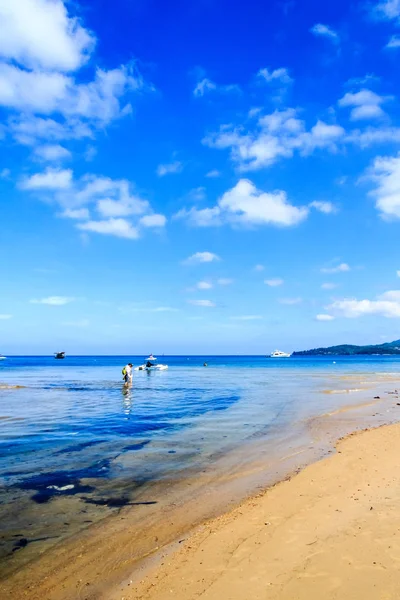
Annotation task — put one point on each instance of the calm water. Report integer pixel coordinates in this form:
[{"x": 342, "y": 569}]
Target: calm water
[{"x": 74, "y": 432}]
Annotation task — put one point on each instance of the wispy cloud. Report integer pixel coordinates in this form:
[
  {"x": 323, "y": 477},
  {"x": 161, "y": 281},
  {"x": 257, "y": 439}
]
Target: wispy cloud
[
  {"x": 325, "y": 31},
  {"x": 324, "y": 317},
  {"x": 259, "y": 268},
  {"x": 324, "y": 207},
  {"x": 202, "y": 257},
  {"x": 205, "y": 86},
  {"x": 224, "y": 281},
  {"x": 213, "y": 173},
  {"x": 328, "y": 286},
  {"x": 169, "y": 168},
  {"x": 342, "y": 268},
  {"x": 5, "y": 316},
  {"x": 116, "y": 227},
  {"x": 204, "y": 303},
  {"x": 53, "y": 300},
  {"x": 273, "y": 282},
  {"x": 386, "y": 305}
]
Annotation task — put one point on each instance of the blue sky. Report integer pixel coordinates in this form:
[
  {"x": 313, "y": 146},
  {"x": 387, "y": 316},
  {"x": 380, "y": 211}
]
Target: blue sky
[{"x": 204, "y": 177}]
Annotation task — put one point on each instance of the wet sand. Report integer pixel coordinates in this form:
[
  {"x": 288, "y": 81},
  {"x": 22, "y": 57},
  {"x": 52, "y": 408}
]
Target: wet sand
[
  {"x": 100, "y": 562},
  {"x": 332, "y": 531}
]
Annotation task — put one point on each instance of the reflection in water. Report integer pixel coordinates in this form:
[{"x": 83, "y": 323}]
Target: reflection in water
[{"x": 127, "y": 400}]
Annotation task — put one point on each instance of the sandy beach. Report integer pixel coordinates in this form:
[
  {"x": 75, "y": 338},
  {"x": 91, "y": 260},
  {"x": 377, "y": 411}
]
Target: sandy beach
[
  {"x": 332, "y": 531},
  {"x": 327, "y": 530}
]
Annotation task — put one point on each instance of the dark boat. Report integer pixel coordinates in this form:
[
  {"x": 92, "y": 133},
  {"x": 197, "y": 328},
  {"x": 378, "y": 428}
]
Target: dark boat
[{"x": 59, "y": 354}]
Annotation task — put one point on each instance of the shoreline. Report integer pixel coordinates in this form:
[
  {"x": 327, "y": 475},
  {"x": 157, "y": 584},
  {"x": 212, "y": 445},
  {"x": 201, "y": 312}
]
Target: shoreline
[
  {"x": 93, "y": 563},
  {"x": 330, "y": 531}
]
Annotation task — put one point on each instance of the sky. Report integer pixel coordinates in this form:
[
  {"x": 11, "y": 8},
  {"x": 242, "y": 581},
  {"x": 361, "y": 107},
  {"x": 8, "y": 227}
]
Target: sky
[{"x": 198, "y": 177}]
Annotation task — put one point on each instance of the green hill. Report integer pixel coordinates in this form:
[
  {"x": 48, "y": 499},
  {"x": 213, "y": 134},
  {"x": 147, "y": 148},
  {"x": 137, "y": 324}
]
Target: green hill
[{"x": 350, "y": 350}]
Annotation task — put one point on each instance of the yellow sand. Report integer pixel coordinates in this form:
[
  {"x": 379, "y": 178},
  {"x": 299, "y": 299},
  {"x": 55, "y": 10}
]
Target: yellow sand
[{"x": 331, "y": 532}]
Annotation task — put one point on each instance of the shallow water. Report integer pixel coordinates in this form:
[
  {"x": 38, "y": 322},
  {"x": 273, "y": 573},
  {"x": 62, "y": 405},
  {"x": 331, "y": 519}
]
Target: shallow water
[{"x": 73, "y": 439}]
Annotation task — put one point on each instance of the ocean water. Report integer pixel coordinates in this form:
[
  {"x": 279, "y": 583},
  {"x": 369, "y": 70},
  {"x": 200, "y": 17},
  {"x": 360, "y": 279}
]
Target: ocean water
[{"x": 70, "y": 432}]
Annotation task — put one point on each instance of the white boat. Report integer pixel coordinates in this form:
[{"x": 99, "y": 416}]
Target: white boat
[
  {"x": 2, "y": 357},
  {"x": 152, "y": 368},
  {"x": 149, "y": 366},
  {"x": 279, "y": 354}
]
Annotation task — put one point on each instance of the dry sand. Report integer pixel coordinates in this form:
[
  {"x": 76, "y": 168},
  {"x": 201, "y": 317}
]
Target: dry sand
[{"x": 331, "y": 532}]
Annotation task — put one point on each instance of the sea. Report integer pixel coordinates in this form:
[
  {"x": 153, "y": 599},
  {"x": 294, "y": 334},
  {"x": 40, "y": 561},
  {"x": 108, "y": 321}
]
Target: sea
[{"x": 76, "y": 444}]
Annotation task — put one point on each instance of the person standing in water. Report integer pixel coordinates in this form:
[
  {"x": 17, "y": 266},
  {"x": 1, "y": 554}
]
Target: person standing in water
[{"x": 127, "y": 373}]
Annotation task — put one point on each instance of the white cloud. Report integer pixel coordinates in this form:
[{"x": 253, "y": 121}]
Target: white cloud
[
  {"x": 366, "y": 104},
  {"x": 374, "y": 135},
  {"x": 205, "y": 303},
  {"x": 51, "y": 179},
  {"x": 387, "y": 10},
  {"x": 394, "y": 42},
  {"x": 154, "y": 220},
  {"x": 4, "y": 317},
  {"x": 204, "y": 285},
  {"x": 205, "y": 85},
  {"x": 275, "y": 136},
  {"x": 398, "y": 273},
  {"x": 324, "y": 317},
  {"x": 290, "y": 301},
  {"x": 259, "y": 268},
  {"x": 387, "y": 305},
  {"x": 280, "y": 76},
  {"x": 75, "y": 213},
  {"x": 5, "y": 174},
  {"x": 385, "y": 173},
  {"x": 342, "y": 268},
  {"x": 224, "y": 281},
  {"x": 214, "y": 173},
  {"x": 29, "y": 129},
  {"x": 52, "y": 92},
  {"x": 52, "y": 152},
  {"x": 202, "y": 257},
  {"x": 273, "y": 282},
  {"x": 245, "y": 205},
  {"x": 113, "y": 199},
  {"x": 321, "y": 30},
  {"x": 40, "y": 33},
  {"x": 247, "y": 318},
  {"x": 53, "y": 300},
  {"x": 167, "y": 169},
  {"x": 205, "y": 217},
  {"x": 117, "y": 227},
  {"x": 328, "y": 286},
  {"x": 324, "y": 207}
]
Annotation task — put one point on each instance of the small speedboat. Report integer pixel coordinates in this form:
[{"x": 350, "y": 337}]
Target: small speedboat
[
  {"x": 279, "y": 354},
  {"x": 2, "y": 357},
  {"x": 151, "y": 366},
  {"x": 59, "y": 354}
]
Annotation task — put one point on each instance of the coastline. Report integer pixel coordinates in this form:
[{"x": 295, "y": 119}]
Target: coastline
[
  {"x": 92, "y": 564},
  {"x": 330, "y": 532}
]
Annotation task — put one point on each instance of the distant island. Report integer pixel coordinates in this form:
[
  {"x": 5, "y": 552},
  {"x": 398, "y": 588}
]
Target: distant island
[{"x": 350, "y": 350}]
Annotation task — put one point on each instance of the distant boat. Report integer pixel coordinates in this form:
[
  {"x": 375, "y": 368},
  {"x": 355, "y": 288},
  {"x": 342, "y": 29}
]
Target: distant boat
[
  {"x": 59, "y": 354},
  {"x": 279, "y": 354},
  {"x": 2, "y": 357}
]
